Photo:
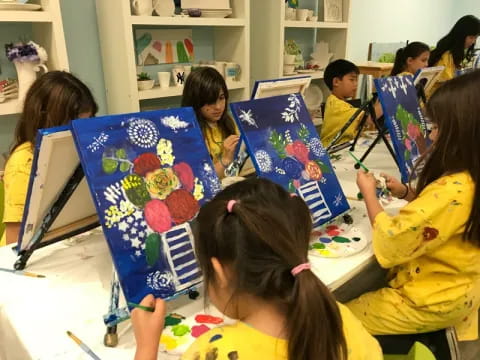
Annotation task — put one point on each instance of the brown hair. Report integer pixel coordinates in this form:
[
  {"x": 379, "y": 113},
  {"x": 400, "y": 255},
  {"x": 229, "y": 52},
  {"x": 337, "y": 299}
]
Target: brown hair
[
  {"x": 455, "y": 109},
  {"x": 203, "y": 87},
  {"x": 260, "y": 244},
  {"x": 53, "y": 100},
  {"x": 412, "y": 50}
]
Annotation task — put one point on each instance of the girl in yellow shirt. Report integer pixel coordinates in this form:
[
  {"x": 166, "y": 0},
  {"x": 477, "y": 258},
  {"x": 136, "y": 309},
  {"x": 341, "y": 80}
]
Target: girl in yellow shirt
[
  {"x": 251, "y": 244},
  {"x": 455, "y": 47},
  {"x": 410, "y": 59},
  {"x": 432, "y": 247},
  {"x": 53, "y": 100},
  {"x": 206, "y": 91}
]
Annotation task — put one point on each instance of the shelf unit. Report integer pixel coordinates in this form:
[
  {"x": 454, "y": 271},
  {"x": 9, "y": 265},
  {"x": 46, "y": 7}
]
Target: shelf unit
[
  {"x": 46, "y": 30},
  {"x": 270, "y": 30},
  {"x": 228, "y": 39}
]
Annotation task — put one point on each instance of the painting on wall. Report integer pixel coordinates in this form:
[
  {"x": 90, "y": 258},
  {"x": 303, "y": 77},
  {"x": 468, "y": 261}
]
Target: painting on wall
[
  {"x": 285, "y": 148},
  {"x": 155, "y": 47},
  {"x": 405, "y": 121},
  {"x": 149, "y": 173},
  {"x": 333, "y": 10}
]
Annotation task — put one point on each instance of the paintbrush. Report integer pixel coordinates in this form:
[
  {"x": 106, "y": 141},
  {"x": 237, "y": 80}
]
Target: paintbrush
[
  {"x": 24, "y": 273},
  {"x": 83, "y": 346},
  {"x": 138, "y": 306},
  {"x": 358, "y": 162}
]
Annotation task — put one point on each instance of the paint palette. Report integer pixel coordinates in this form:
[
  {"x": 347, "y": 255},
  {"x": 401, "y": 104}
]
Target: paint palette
[{"x": 335, "y": 241}]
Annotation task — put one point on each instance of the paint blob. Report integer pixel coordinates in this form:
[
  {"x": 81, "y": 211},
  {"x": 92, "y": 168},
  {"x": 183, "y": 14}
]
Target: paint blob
[
  {"x": 169, "y": 342},
  {"x": 325, "y": 240},
  {"x": 208, "y": 319},
  {"x": 341, "y": 239},
  {"x": 215, "y": 338},
  {"x": 171, "y": 320},
  {"x": 198, "y": 330},
  {"x": 318, "y": 246},
  {"x": 180, "y": 330}
]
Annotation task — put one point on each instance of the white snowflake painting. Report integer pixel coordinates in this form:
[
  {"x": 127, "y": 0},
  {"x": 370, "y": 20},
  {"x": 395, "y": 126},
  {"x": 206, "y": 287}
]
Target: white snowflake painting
[
  {"x": 210, "y": 179},
  {"x": 338, "y": 200},
  {"x": 98, "y": 142},
  {"x": 247, "y": 117},
  {"x": 142, "y": 133},
  {"x": 264, "y": 161},
  {"x": 316, "y": 147},
  {"x": 290, "y": 113},
  {"x": 174, "y": 123}
]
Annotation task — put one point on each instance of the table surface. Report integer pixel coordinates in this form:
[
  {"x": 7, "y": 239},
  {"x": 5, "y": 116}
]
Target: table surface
[{"x": 36, "y": 313}]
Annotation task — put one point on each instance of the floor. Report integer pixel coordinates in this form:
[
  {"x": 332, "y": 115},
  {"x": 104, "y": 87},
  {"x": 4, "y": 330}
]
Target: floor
[{"x": 470, "y": 350}]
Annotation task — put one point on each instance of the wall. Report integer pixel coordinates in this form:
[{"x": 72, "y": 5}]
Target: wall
[{"x": 465, "y": 7}]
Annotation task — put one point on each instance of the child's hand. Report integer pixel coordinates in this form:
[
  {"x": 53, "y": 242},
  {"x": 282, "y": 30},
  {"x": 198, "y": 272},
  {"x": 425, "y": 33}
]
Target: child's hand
[
  {"x": 396, "y": 187},
  {"x": 229, "y": 146},
  {"x": 148, "y": 327},
  {"x": 366, "y": 183}
]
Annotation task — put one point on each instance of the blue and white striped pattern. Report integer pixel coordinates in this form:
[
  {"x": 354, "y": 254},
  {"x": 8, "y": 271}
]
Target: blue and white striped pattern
[
  {"x": 312, "y": 195},
  {"x": 181, "y": 256}
]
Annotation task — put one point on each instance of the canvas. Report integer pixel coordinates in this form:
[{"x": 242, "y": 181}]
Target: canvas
[
  {"x": 55, "y": 160},
  {"x": 405, "y": 121},
  {"x": 427, "y": 77},
  {"x": 286, "y": 149},
  {"x": 149, "y": 173},
  {"x": 333, "y": 10}
]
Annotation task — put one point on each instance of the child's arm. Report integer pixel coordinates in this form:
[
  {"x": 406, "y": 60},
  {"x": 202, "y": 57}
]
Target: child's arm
[
  {"x": 148, "y": 327},
  {"x": 398, "y": 189},
  {"x": 12, "y": 230},
  {"x": 367, "y": 184},
  {"x": 228, "y": 153}
]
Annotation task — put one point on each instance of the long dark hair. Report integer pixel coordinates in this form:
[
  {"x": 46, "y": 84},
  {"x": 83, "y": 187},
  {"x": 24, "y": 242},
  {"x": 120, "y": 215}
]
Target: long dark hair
[
  {"x": 454, "y": 41},
  {"x": 454, "y": 108},
  {"x": 203, "y": 87},
  {"x": 412, "y": 50},
  {"x": 257, "y": 240},
  {"x": 54, "y": 99}
]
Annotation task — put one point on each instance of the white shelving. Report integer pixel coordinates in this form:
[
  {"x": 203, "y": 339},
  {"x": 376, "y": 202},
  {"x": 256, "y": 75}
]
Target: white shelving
[
  {"x": 230, "y": 41},
  {"x": 315, "y": 24},
  {"x": 47, "y": 31}
]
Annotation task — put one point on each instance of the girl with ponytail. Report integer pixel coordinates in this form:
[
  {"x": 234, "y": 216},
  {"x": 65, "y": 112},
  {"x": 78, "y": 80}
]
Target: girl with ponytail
[
  {"x": 251, "y": 242},
  {"x": 410, "y": 59}
]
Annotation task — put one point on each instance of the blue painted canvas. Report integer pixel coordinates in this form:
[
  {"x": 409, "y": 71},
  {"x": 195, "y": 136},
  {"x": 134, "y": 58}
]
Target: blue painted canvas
[
  {"x": 405, "y": 121},
  {"x": 149, "y": 173},
  {"x": 285, "y": 148}
]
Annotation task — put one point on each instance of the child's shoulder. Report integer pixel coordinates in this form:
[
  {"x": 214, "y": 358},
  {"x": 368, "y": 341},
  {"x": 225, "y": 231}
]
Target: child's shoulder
[
  {"x": 334, "y": 101},
  {"x": 460, "y": 179},
  {"x": 459, "y": 186},
  {"x": 21, "y": 155}
]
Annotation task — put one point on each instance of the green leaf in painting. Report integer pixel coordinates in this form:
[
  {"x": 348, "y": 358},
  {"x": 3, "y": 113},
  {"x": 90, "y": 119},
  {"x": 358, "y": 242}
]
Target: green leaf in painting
[
  {"x": 152, "y": 248},
  {"x": 278, "y": 142},
  {"x": 325, "y": 168},
  {"x": 303, "y": 134},
  {"x": 109, "y": 165}
]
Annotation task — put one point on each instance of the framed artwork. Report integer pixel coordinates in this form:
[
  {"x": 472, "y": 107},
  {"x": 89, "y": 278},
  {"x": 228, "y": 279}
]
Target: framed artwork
[
  {"x": 333, "y": 10},
  {"x": 405, "y": 120},
  {"x": 154, "y": 46},
  {"x": 285, "y": 148},
  {"x": 149, "y": 173}
]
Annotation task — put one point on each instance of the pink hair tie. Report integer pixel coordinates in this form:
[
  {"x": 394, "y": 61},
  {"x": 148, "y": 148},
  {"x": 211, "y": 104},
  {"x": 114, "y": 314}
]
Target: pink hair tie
[
  {"x": 230, "y": 205},
  {"x": 299, "y": 268}
]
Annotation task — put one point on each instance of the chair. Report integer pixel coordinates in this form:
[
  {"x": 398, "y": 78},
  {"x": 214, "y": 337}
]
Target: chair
[{"x": 417, "y": 352}]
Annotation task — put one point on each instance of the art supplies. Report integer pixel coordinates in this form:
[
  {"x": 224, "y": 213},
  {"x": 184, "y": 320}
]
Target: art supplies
[
  {"x": 83, "y": 346},
  {"x": 358, "y": 161},
  {"x": 24, "y": 273},
  {"x": 405, "y": 121},
  {"x": 149, "y": 173}
]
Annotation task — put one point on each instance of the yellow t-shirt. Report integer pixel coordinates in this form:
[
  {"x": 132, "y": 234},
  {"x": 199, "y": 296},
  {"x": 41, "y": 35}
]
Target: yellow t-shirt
[
  {"x": 447, "y": 74},
  {"x": 241, "y": 341},
  {"x": 214, "y": 141},
  {"x": 337, "y": 113},
  {"x": 403, "y": 73},
  {"x": 16, "y": 179},
  {"x": 432, "y": 266}
]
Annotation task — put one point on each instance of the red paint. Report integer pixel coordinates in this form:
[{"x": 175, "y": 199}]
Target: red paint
[
  {"x": 182, "y": 205},
  {"x": 208, "y": 319},
  {"x": 317, "y": 233},
  {"x": 332, "y": 227},
  {"x": 157, "y": 216},
  {"x": 333, "y": 232},
  {"x": 145, "y": 163},
  {"x": 429, "y": 233},
  {"x": 198, "y": 330}
]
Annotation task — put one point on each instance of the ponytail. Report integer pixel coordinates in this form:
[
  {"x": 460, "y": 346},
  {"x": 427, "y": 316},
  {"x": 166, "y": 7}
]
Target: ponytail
[
  {"x": 254, "y": 235},
  {"x": 400, "y": 62},
  {"x": 412, "y": 50}
]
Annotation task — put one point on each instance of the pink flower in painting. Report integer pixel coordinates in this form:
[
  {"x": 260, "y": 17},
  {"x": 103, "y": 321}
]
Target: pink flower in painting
[
  {"x": 408, "y": 144},
  {"x": 182, "y": 206},
  {"x": 313, "y": 170},
  {"x": 185, "y": 174},
  {"x": 298, "y": 150},
  {"x": 157, "y": 216},
  {"x": 296, "y": 183},
  {"x": 413, "y": 131}
]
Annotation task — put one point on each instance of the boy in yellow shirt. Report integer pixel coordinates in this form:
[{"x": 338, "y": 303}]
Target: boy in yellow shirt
[{"x": 341, "y": 77}]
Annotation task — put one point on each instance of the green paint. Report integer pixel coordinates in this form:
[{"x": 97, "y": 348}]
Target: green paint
[
  {"x": 152, "y": 248},
  {"x": 124, "y": 166},
  {"x": 182, "y": 53},
  {"x": 318, "y": 246},
  {"x": 109, "y": 166},
  {"x": 180, "y": 330},
  {"x": 172, "y": 321},
  {"x": 341, "y": 239}
]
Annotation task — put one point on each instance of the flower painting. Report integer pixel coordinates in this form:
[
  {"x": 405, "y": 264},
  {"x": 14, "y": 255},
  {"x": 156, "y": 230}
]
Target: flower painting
[
  {"x": 285, "y": 148},
  {"x": 405, "y": 121},
  {"x": 149, "y": 173}
]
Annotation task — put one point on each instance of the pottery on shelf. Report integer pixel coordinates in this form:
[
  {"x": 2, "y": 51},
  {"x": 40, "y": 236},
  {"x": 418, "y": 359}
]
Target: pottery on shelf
[
  {"x": 145, "y": 84},
  {"x": 165, "y": 8},
  {"x": 27, "y": 74},
  {"x": 321, "y": 56}
]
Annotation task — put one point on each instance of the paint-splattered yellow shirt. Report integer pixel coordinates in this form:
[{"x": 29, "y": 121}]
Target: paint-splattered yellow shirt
[
  {"x": 241, "y": 341},
  {"x": 431, "y": 265},
  {"x": 16, "y": 178},
  {"x": 214, "y": 141},
  {"x": 447, "y": 74},
  {"x": 337, "y": 113}
]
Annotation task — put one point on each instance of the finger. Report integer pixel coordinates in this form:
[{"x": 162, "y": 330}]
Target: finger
[
  {"x": 160, "y": 307},
  {"x": 148, "y": 300}
]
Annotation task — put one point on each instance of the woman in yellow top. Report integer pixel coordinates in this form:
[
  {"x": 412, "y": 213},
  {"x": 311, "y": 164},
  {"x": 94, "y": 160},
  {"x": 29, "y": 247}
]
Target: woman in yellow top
[
  {"x": 206, "y": 91},
  {"x": 53, "y": 100},
  {"x": 455, "y": 47},
  {"x": 432, "y": 247},
  {"x": 410, "y": 59},
  {"x": 252, "y": 244}
]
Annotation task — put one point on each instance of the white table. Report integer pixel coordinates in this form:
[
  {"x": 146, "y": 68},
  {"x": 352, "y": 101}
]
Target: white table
[{"x": 36, "y": 313}]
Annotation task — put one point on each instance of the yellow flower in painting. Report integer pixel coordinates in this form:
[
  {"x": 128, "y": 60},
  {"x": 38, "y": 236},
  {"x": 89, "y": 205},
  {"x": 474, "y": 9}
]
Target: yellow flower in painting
[
  {"x": 161, "y": 182},
  {"x": 198, "y": 190},
  {"x": 165, "y": 152}
]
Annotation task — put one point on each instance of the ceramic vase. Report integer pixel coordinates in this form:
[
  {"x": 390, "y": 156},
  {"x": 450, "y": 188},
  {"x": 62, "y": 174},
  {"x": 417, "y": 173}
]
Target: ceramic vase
[
  {"x": 164, "y": 8},
  {"x": 27, "y": 74}
]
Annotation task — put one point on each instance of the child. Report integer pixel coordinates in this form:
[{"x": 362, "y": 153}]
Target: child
[
  {"x": 252, "y": 243},
  {"x": 455, "y": 47},
  {"x": 206, "y": 91},
  {"x": 53, "y": 100},
  {"x": 433, "y": 245},
  {"x": 341, "y": 77},
  {"x": 410, "y": 59}
]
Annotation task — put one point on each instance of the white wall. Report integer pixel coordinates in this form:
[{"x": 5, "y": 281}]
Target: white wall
[{"x": 393, "y": 20}]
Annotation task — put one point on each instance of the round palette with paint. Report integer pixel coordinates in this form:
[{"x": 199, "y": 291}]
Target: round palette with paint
[{"x": 335, "y": 241}]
